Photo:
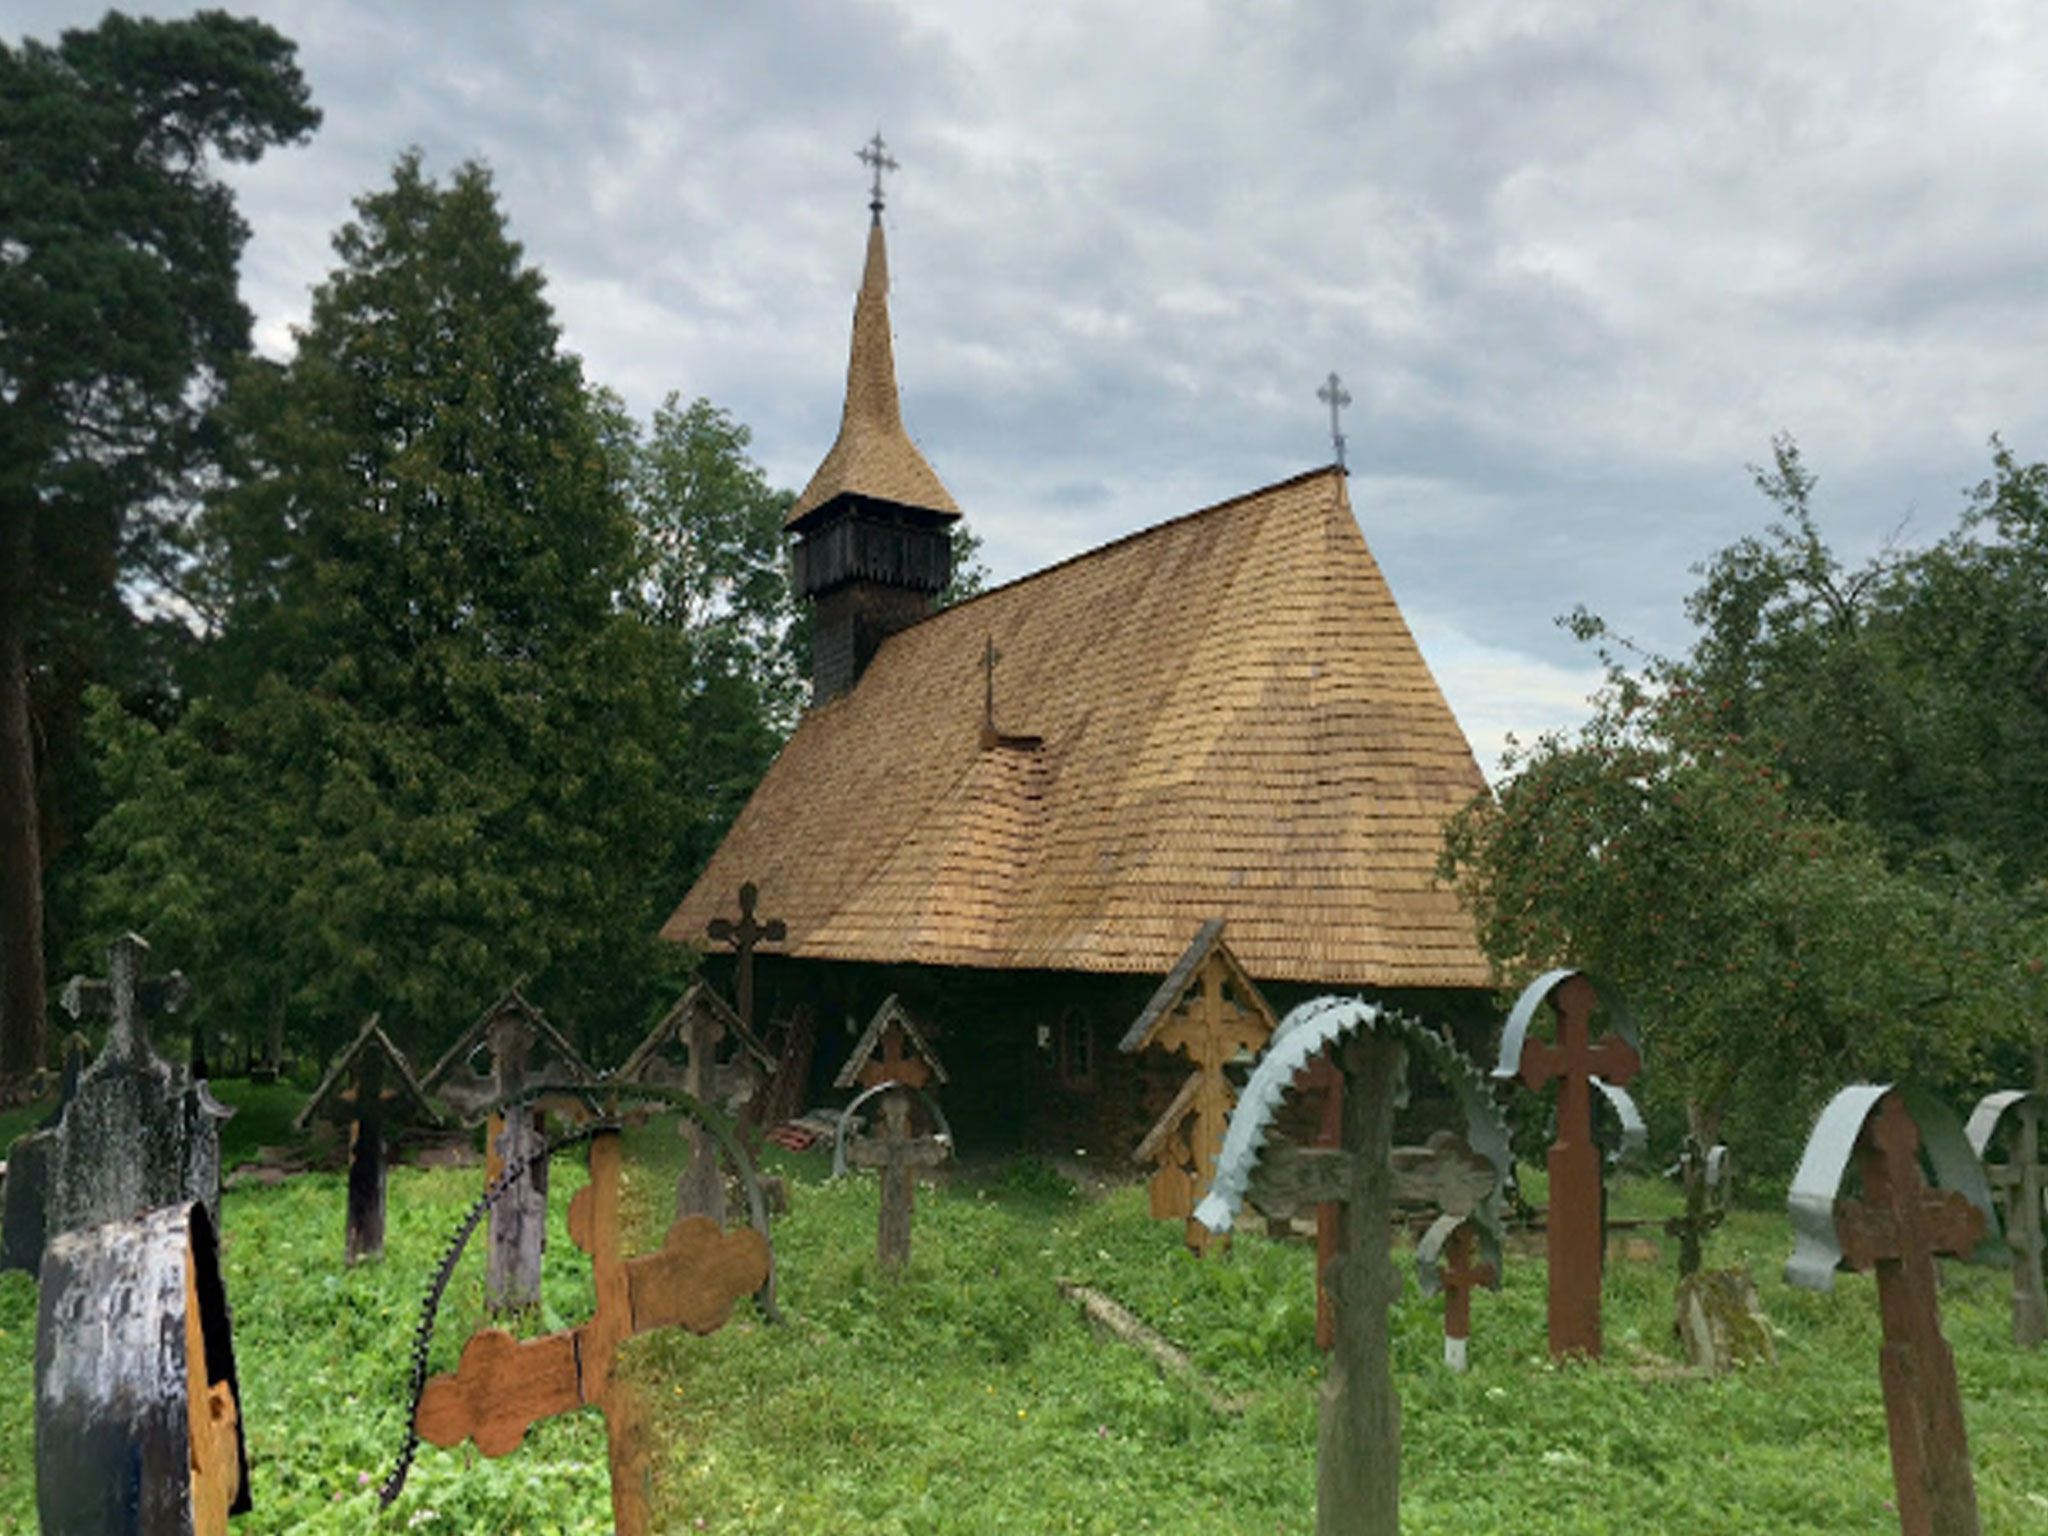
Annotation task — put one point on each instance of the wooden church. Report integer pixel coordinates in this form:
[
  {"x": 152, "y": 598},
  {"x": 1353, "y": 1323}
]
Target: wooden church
[{"x": 1016, "y": 813}]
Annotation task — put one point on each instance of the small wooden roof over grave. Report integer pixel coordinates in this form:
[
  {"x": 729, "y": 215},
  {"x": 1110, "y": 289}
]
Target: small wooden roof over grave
[
  {"x": 401, "y": 1099},
  {"x": 697, "y": 1005},
  {"x": 1207, "y": 961},
  {"x": 891, "y": 1064},
  {"x": 551, "y": 1059}
]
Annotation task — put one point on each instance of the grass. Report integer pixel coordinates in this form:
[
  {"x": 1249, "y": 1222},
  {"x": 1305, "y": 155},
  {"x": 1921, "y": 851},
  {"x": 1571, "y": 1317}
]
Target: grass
[{"x": 968, "y": 1397}]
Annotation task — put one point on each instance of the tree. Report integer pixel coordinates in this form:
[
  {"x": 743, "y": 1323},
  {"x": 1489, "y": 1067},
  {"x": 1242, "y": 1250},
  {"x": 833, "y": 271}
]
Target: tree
[
  {"x": 430, "y": 748},
  {"x": 1804, "y": 851},
  {"x": 118, "y": 317}
]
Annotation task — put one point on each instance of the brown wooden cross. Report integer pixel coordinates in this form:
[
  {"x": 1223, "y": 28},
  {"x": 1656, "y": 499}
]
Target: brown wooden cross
[
  {"x": 1896, "y": 1229},
  {"x": 894, "y": 1065},
  {"x": 1574, "y": 1239},
  {"x": 124, "y": 997},
  {"x": 2019, "y": 1182},
  {"x": 1459, "y": 1275},
  {"x": 744, "y": 936},
  {"x": 1210, "y": 1029},
  {"x": 899, "y": 1155},
  {"x": 503, "y": 1385}
]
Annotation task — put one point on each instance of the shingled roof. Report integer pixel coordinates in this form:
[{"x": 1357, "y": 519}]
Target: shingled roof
[{"x": 1223, "y": 716}]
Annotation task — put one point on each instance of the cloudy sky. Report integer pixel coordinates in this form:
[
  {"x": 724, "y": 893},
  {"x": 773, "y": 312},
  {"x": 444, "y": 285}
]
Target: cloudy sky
[{"x": 1575, "y": 262}]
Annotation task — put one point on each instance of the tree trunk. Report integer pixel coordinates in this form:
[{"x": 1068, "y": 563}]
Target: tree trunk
[{"x": 23, "y": 984}]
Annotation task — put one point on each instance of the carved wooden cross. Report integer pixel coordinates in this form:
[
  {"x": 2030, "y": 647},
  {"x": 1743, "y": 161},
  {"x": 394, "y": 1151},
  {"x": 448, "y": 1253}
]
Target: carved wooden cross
[
  {"x": 2018, "y": 1181},
  {"x": 893, "y": 1065},
  {"x": 1896, "y": 1229},
  {"x": 743, "y": 936},
  {"x": 1574, "y": 1240},
  {"x": 503, "y": 1385},
  {"x": 1458, "y": 1274},
  {"x": 370, "y": 1088},
  {"x": 518, "y": 1220},
  {"x": 1211, "y": 1029},
  {"x": 899, "y": 1155},
  {"x": 124, "y": 997}
]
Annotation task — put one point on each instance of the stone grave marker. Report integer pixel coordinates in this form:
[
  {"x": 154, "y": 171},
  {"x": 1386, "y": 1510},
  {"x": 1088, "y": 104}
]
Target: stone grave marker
[
  {"x": 1358, "y": 1451},
  {"x": 370, "y": 1089},
  {"x": 502, "y": 1385},
  {"x": 2017, "y": 1180},
  {"x": 693, "y": 1030},
  {"x": 137, "y": 1133},
  {"x": 1896, "y": 1228},
  {"x": 1210, "y": 1011},
  {"x": 894, "y": 1063},
  {"x": 510, "y": 1052},
  {"x": 1580, "y": 1065}
]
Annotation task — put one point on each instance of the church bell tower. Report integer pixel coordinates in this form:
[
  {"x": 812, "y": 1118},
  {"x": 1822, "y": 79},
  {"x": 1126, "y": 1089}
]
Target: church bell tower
[{"x": 872, "y": 532}]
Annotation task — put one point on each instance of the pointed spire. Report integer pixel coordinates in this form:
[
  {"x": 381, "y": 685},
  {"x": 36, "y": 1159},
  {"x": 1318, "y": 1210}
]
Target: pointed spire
[{"x": 874, "y": 456}]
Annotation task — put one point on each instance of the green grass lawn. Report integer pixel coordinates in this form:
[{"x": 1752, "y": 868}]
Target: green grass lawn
[{"x": 969, "y": 1397}]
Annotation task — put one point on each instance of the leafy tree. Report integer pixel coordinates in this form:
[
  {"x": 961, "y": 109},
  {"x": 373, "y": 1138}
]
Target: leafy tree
[
  {"x": 430, "y": 748},
  {"x": 1799, "y": 850},
  {"x": 118, "y": 316}
]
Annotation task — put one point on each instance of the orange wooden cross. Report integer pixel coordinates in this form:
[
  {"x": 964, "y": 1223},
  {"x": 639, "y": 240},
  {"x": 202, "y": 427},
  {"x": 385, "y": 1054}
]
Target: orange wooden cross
[
  {"x": 894, "y": 1064},
  {"x": 1897, "y": 1229},
  {"x": 503, "y": 1385},
  {"x": 1459, "y": 1274}
]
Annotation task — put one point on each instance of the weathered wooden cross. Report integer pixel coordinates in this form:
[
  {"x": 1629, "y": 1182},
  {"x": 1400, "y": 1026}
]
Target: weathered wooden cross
[
  {"x": 1209, "y": 1010},
  {"x": 523, "y": 1051},
  {"x": 1444, "y": 1261},
  {"x": 1896, "y": 1229},
  {"x": 2018, "y": 1181},
  {"x": 698, "y": 1024},
  {"x": 1703, "y": 1175},
  {"x": 1574, "y": 1236},
  {"x": 370, "y": 1088},
  {"x": 892, "y": 1060},
  {"x": 502, "y": 1385},
  {"x": 745, "y": 936}
]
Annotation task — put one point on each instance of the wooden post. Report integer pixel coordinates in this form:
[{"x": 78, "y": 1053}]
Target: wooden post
[
  {"x": 502, "y": 1385},
  {"x": 364, "y": 1238},
  {"x": 1897, "y": 1229},
  {"x": 700, "y": 1187},
  {"x": 1576, "y": 1187},
  {"x": 1358, "y": 1438}
]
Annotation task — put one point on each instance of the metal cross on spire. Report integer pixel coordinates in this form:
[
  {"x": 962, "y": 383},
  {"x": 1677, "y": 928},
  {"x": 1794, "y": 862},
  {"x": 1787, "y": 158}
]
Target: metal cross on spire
[
  {"x": 1334, "y": 395},
  {"x": 875, "y": 154}
]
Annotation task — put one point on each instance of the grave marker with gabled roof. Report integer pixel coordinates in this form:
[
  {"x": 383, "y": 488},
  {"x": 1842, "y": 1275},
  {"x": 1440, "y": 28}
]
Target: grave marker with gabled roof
[
  {"x": 369, "y": 1087},
  {"x": 696, "y": 1026}
]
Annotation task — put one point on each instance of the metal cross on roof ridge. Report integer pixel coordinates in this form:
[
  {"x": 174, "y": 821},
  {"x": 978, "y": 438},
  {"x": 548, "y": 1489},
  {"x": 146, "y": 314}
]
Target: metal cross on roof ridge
[
  {"x": 1336, "y": 397},
  {"x": 875, "y": 154}
]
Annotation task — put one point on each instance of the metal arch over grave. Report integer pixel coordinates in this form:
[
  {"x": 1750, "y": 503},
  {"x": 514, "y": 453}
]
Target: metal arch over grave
[
  {"x": 370, "y": 1089},
  {"x": 138, "y": 1132},
  {"x": 502, "y": 1385},
  {"x": 1210, "y": 1011},
  {"x": 137, "y": 1404},
  {"x": 519, "y": 1051},
  {"x": 1580, "y": 1065},
  {"x": 694, "y": 1030},
  {"x": 1358, "y": 1443},
  {"x": 2018, "y": 1182},
  {"x": 1897, "y": 1228},
  {"x": 892, "y": 1061}
]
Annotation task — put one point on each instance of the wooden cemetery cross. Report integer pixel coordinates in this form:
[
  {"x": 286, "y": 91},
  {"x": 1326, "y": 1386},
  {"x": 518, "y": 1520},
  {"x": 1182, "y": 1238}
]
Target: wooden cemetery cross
[
  {"x": 1574, "y": 1226},
  {"x": 744, "y": 936},
  {"x": 138, "y": 1132},
  {"x": 524, "y": 1051},
  {"x": 370, "y": 1088},
  {"x": 1703, "y": 1174},
  {"x": 503, "y": 1385},
  {"x": 2018, "y": 1181},
  {"x": 1444, "y": 1261},
  {"x": 1209, "y": 1010},
  {"x": 1358, "y": 1459},
  {"x": 698, "y": 1024},
  {"x": 892, "y": 1060},
  {"x": 1896, "y": 1229}
]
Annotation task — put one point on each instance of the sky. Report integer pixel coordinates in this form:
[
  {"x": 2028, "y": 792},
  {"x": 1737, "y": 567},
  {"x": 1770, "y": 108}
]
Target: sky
[{"x": 1575, "y": 263}]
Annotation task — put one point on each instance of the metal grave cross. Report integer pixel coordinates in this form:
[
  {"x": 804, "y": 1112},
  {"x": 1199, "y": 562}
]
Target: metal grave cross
[
  {"x": 1336, "y": 397},
  {"x": 1896, "y": 1229},
  {"x": 2019, "y": 1182},
  {"x": 503, "y": 1385},
  {"x": 875, "y": 155},
  {"x": 1574, "y": 1238},
  {"x": 743, "y": 936}
]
